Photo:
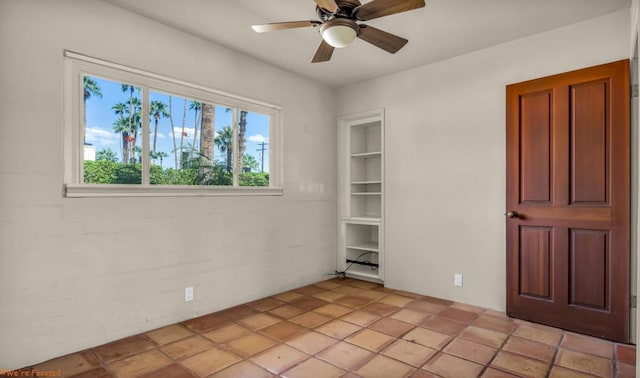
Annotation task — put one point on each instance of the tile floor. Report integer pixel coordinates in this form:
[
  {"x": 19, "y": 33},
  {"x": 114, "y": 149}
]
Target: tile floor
[{"x": 349, "y": 328}]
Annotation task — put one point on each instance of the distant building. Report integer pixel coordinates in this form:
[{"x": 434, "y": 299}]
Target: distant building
[{"x": 89, "y": 152}]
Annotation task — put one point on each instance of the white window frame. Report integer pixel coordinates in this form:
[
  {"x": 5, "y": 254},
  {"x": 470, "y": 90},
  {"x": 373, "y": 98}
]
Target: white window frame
[{"x": 77, "y": 66}]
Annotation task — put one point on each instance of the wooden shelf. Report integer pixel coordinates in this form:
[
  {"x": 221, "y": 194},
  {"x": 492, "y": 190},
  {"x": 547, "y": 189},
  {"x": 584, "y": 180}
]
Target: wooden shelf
[{"x": 366, "y": 246}]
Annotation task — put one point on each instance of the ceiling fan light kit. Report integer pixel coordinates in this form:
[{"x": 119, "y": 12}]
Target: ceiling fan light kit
[
  {"x": 339, "y": 32},
  {"x": 339, "y": 27}
]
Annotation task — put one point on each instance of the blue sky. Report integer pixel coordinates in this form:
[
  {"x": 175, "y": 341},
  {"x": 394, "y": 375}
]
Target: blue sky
[{"x": 100, "y": 118}]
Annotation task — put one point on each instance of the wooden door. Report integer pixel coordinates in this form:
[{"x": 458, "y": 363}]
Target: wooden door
[{"x": 568, "y": 201}]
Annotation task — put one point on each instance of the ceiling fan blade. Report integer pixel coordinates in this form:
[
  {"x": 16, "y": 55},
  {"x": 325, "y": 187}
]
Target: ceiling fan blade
[
  {"x": 324, "y": 52},
  {"x": 379, "y": 38},
  {"x": 284, "y": 25},
  {"x": 329, "y": 5},
  {"x": 380, "y": 8}
]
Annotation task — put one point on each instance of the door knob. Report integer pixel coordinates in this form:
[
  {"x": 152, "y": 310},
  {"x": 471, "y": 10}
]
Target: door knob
[{"x": 513, "y": 214}]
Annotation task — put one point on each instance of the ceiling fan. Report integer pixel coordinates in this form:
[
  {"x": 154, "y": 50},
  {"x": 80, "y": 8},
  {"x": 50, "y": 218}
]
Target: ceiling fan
[{"x": 339, "y": 27}]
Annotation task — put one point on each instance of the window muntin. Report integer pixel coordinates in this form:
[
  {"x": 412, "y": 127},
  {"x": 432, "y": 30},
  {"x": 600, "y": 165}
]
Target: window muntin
[{"x": 116, "y": 145}]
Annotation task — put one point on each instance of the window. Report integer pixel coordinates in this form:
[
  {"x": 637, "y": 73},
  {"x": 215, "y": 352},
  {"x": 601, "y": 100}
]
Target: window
[{"x": 133, "y": 133}]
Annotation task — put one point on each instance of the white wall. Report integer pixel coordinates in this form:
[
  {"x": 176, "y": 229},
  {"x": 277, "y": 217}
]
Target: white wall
[
  {"x": 76, "y": 273},
  {"x": 445, "y": 155}
]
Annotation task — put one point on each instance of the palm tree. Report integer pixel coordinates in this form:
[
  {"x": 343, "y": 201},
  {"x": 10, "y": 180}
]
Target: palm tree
[
  {"x": 133, "y": 101},
  {"x": 158, "y": 109},
  {"x": 107, "y": 154},
  {"x": 207, "y": 132},
  {"x": 195, "y": 106},
  {"x": 121, "y": 126},
  {"x": 173, "y": 131},
  {"x": 91, "y": 88},
  {"x": 224, "y": 142},
  {"x": 242, "y": 131},
  {"x": 161, "y": 155},
  {"x": 249, "y": 163},
  {"x": 183, "y": 133}
]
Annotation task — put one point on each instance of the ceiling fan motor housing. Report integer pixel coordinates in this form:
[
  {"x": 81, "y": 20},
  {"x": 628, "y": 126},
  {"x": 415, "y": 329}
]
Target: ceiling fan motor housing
[{"x": 345, "y": 10}]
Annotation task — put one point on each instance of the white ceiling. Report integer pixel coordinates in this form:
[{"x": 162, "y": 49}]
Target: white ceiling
[{"x": 442, "y": 29}]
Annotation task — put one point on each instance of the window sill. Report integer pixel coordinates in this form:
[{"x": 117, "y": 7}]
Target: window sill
[{"x": 110, "y": 190}]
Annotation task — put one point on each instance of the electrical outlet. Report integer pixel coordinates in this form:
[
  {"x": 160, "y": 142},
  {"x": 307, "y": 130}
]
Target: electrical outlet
[
  {"x": 457, "y": 279},
  {"x": 188, "y": 293}
]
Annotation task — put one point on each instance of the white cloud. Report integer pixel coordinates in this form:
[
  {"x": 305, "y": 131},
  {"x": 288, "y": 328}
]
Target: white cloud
[
  {"x": 98, "y": 136},
  {"x": 258, "y": 138},
  {"x": 188, "y": 130}
]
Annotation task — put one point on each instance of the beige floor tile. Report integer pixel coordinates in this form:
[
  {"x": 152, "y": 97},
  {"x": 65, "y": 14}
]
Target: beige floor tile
[
  {"x": 286, "y": 311},
  {"x": 251, "y": 344},
  {"x": 560, "y": 372},
  {"x": 312, "y": 342},
  {"x": 207, "y": 323},
  {"x": 426, "y": 337},
  {"x": 446, "y": 365},
  {"x": 170, "y": 371},
  {"x": 187, "y": 347},
  {"x": 338, "y": 329},
  {"x": 259, "y": 321},
  {"x": 396, "y": 300},
  {"x": 243, "y": 369},
  {"x": 468, "y": 307},
  {"x": 444, "y": 325},
  {"x": 139, "y": 364},
  {"x": 381, "y": 309},
  {"x": 425, "y": 306},
  {"x": 410, "y": 353},
  {"x": 458, "y": 315},
  {"x": 484, "y": 336},
  {"x": 227, "y": 333},
  {"x": 211, "y": 361},
  {"x": 353, "y": 301},
  {"x": 120, "y": 349},
  {"x": 279, "y": 358},
  {"x": 372, "y": 294},
  {"x": 313, "y": 368},
  {"x": 519, "y": 365},
  {"x": 371, "y": 340},
  {"x": 333, "y": 310},
  {"x": 586, "y": 363},
  {"x": 169, "y": 334},
  {"x": 530, "y": 348},
  {"x": 329, "y": 284},
  {"x": 494, "y": 373},
  {"x": 265, "y": 304},
  {"x": 587, "y": 344},
  {"x": 470, "y": 350},
  {"x": 283, "y": 331},
  {"x": 310, "y": 319},
  {"x": 345, "y": 356},
  {"x": 383, "y": 367},
  {"x": 538, "y": 334},
  {"x": 329, "y": 296},
  {"x": 495, "y": 324},
  {"x": 348, "y": 290},
  {"x": 392, "y": 327},
  {"x": 287, "y": 296},
  {"x": 69, "y": 365},
  {"x": 410, "y": 316},
  {"x": 361, "y": 318}
]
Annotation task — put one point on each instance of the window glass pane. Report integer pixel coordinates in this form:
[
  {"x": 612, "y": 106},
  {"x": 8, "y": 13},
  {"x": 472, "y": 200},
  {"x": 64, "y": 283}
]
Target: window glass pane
[
  {"x": 113, "y": 124},
  {"x": 182, "y": 142},
  {"x": 253, "y": 143},
  {"x": 223, "y": 152}
]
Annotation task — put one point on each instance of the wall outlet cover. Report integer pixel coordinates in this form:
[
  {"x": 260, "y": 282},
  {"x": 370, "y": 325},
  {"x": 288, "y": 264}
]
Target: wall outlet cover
[
  {"x": 188, "y": 293},
  {"x": 457, "y": 280}
]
